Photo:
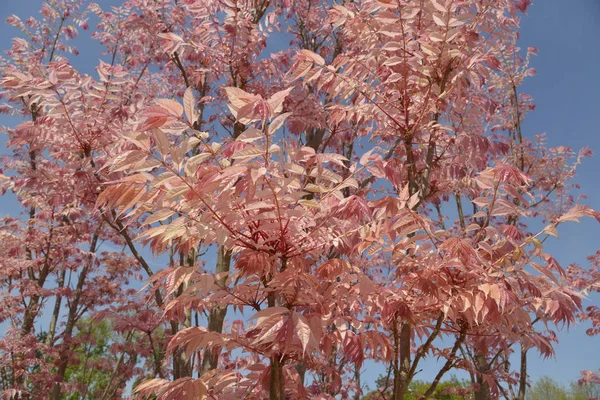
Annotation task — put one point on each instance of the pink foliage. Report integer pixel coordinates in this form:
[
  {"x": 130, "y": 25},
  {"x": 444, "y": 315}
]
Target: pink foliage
[{"x": 366, "y": 191}]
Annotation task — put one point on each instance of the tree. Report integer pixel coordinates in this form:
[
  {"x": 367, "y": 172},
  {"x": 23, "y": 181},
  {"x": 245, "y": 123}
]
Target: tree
[
  {"x": 90, "y": 368},
  {"x": 585, "y": 391},
  {"x": 547, "y": 388},
  {"x": 54, "y": 265},
  {"x": 332, "y": 182},
  {"x": 452, "y": 389}
]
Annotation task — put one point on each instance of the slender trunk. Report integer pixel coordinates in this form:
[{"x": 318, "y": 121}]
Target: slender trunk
[
  {"x": 32, "y": 309},
  {"x": 276, "y": 383},
  {"x": 328, "y": 378},
  {"x": 217, "y": 311},
  {"x": 56, "y": 311},
  {"x": 403, "y": 366},
  {"x": 276, "y": 386},
  {"x": 182, "y": 365},
  {"x": 523, "y": 377},
  {"x": 483, "y": 389},
  {"x": 404, "y": 369},
  {"x": 358, "y": 394},
  {"x": 30, "y": 313},
  {"x": 301, "y": 369},
  {"x": 157, "y": 357}
]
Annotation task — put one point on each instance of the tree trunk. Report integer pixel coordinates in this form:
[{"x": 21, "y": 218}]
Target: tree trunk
[
  {"x": 33, "y": 308},
  {"x": 276, "y": 386},
  {"x": 402, "y": 371},
  {"x": 182, "y": 365},
  {"x": 405, "y": 356},
  {"x": 358, "y": 394},
  {"x": 483, "y": 390},
  {"x": 56, "y": 311},
  {"x": 523, "y": 377},
  {"x": 218, "y": 312}
]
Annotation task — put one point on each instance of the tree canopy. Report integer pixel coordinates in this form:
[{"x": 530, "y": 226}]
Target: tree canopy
[{"x": 329, "y": 182}]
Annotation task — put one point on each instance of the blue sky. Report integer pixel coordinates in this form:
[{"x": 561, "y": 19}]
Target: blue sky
[{"x": 566, "y": 91}]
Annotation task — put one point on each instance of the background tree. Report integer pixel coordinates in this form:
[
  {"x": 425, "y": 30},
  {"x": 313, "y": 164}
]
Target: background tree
[
  {"x": 451, "y": 389},
  {"x": 547, "y": 388}
]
